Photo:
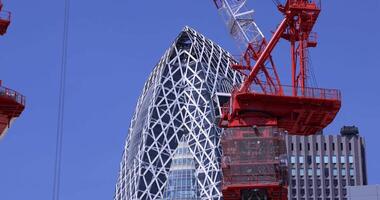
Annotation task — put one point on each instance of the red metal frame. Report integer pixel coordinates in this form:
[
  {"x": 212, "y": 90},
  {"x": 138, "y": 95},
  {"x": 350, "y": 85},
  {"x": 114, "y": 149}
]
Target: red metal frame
[
  {"x": 5, "y": 20},
  {"x": 12, "y": 104},
  {"x": 296, "y": 108},
  {"x": 253, "y": 159},
  {"x": 265, "y": 102}
]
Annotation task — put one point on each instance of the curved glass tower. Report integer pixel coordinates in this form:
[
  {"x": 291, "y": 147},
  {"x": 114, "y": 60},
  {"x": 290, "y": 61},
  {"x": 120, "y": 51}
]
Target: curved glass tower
[{"x": 178, "y": 98}]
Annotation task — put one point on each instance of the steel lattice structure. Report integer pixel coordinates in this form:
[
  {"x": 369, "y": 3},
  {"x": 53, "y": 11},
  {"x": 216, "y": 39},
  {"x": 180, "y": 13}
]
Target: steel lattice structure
[{"x": 178, "y": 98}]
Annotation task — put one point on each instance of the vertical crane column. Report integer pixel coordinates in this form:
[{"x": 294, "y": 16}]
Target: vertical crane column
[{"x": 12, "y": 103}]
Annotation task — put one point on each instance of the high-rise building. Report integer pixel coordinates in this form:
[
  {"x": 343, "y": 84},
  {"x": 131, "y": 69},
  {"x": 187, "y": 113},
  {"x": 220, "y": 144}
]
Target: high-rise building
[
  {"x": 178, "y": 98},
  {"x": 322, "y": 166}
]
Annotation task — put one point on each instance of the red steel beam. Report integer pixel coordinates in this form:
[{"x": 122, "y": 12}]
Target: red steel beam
[{"x": 264, "y": 56}]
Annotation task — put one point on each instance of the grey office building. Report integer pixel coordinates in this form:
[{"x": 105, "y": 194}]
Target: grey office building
[
  {"x": 322, "y": 166},
  {"x": 367, "y": 192}
]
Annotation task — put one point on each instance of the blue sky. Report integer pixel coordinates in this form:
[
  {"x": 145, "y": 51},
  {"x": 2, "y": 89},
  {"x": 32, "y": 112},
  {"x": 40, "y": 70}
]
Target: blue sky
[{"x": 113, "y": 46}]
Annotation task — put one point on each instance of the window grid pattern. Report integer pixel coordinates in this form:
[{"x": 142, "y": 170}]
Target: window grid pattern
[
  {"x": 182, "y": 182},
  {"x": 325, "y": 173}
]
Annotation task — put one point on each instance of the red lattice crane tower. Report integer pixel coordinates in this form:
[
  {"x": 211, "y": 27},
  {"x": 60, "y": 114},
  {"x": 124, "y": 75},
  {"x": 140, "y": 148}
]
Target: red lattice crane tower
[
  {"x": 262, "y": 109},
  {"x": 12, "y": 103}
]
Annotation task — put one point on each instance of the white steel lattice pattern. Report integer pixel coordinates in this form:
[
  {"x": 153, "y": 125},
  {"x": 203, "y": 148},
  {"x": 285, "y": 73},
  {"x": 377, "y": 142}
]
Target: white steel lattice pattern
[{"x": 178, "y": 98}]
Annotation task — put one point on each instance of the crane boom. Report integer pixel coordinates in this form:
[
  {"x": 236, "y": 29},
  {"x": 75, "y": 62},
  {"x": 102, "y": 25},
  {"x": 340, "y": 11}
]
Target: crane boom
[
  {"x": 240, "y": 23},
  {"x": 250, "y": 39}
]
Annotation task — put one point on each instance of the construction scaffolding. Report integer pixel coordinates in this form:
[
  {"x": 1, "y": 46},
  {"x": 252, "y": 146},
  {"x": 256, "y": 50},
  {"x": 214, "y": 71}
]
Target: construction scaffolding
[{"x": 254, "y": 157}]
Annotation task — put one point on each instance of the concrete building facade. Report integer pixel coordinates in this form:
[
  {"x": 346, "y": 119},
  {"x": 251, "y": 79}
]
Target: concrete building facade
[
  {"x": 366, "y": 192},
  {"x": 321, "y": 167}
]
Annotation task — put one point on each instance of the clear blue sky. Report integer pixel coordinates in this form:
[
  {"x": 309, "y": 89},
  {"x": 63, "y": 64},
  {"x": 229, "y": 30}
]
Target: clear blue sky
[{"x": 113, "y": 45}]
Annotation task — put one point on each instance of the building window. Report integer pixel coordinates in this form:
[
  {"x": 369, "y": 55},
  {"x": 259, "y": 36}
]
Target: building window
[
  {"x": 334, "y": 159},
  {"x": 308, "y": 146},
  {"x": 300, "y": 146},
  {"x": 342, "y": 159},
  {"x": 318, "y": 171},
  {"x": 349, "y": 146},
  {"x": 351, "y": 159},
  {"x": 327, "y": 192},
  {"x": 352, "y": 172},
  {"x": 325, "y": 146},
  {"x": 344, "y": 192},
  {"x": 317, "y": 159},
  {"x": 343, "y": 172},
  {"x": 310, "y": 182},
  {"x": 302, "y": 172},
  {"x": 341, "y": 146},
  {"x": 325, "y": 159},
  {"x": 310, "y": 172},
  {"x": 326, "y": 172},
  {"x": 316, "y": 146},
  {"x": 319, "y": 182},
  {"x": 336, "y": 182},
  {"x": 293, "y": 159},
  {"x": 293, "y": 172},
  {"x": 327, "y": 182},
  {"x": 292, "y": 146},
  {"x": 301, "y": 160},
  {"x": 333, "y": 146},
  {"x": 335, "y": 172},
  {"x": 352, "y": 182},
  {"x": 294, "y": 182},
  {"x": 343, "y": 181},
  {"x": 309, "y": 160}
]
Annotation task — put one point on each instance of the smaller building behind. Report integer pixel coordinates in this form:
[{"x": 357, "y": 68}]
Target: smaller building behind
[
  {"x": 367, "y": 192},
  {"x": 321, "y": 166}
]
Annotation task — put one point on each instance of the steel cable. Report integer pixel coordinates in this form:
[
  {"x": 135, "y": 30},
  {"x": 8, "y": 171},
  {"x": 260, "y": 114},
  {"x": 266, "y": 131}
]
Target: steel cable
[{"x": 61, "y": 105}]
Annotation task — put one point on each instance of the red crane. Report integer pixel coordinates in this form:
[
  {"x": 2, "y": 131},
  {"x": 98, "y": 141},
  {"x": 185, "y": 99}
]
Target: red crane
[
  {"x": 261, "y": 110},
  {"x": 5, "y": 19},
  {"x": 12, "y": 103}
]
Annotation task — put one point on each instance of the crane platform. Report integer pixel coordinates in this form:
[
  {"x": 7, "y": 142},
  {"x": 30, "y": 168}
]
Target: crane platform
[
  {"x": 300, "y": 112},
  {"x": 12, "y": 104}
]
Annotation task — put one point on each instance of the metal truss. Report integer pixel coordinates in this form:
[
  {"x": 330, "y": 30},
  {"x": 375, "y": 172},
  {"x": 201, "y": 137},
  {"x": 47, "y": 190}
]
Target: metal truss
[
  {"x": 240, "y": 22},
  {"x": 178, "y": 98}
]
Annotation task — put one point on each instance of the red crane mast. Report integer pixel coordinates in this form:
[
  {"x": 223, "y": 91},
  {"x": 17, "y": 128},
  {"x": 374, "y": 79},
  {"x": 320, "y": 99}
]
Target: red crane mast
[
  {"x": 262, "y": 110},
  {"x": 12, "y": 103}
]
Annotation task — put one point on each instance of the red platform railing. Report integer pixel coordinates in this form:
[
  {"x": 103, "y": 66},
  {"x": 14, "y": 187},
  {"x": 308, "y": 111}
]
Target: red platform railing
[
  {"x": 12, "y": 94},
  {"x": 307, "y": 92},
  {"x": 304, "y": 3}
]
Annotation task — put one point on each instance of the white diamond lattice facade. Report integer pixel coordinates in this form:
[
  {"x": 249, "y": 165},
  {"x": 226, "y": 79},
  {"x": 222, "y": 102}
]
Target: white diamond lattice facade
[{"x": 177, "y": 99}]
